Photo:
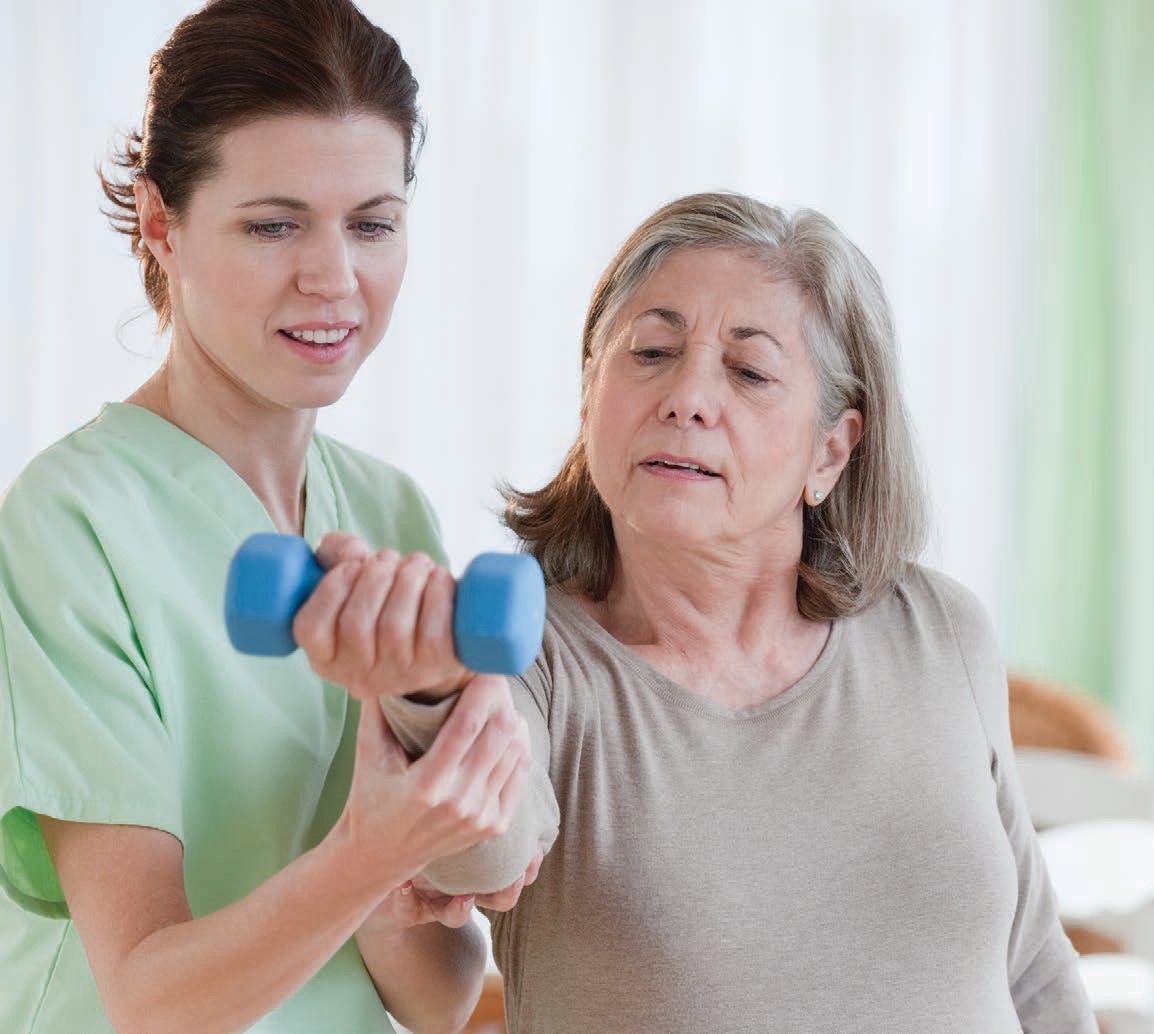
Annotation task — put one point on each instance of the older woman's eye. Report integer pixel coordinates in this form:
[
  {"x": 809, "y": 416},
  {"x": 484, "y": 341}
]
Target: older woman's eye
[
  {"x": 751, "y": 376},
  {"x": 649, "y": 354}
]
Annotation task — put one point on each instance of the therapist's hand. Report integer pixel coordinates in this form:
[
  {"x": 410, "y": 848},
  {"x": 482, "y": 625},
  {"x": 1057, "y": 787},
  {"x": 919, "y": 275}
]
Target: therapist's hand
[
  {"x": 410, "y": 905},
  {"x": 401, "y": 814},
  {"x": 380, "y": 623}
]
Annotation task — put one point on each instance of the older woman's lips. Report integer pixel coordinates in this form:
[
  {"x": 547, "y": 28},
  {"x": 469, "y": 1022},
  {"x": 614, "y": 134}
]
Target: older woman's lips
[{"x": 678, "y": 469}]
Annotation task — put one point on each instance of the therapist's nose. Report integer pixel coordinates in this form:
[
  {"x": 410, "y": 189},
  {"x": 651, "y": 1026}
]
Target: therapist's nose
[{"x": 327, "y": 268}]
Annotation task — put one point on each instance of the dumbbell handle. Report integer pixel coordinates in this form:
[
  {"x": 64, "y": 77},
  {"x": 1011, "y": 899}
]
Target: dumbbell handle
[{"x": 498, "y": 611}]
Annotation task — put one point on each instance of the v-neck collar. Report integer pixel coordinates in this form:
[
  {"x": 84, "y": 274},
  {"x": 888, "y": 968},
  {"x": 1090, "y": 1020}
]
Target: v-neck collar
[
  {"x": 209, "y": 476},
  {"x": 817, "y": 676}
]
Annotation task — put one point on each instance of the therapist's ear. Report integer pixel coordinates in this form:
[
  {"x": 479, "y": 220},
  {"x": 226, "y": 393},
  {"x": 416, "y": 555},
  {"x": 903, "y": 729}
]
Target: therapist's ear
[{"x": 155, "y": 221}]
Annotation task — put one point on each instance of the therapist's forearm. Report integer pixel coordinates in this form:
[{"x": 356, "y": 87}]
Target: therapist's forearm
[{"x": 225, "y": 970}]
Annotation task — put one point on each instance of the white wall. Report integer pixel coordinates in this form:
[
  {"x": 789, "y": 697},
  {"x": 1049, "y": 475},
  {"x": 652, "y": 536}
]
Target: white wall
[{"x": 553, "y": 129}]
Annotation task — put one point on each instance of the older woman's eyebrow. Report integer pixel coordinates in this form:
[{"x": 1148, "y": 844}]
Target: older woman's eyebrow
[
  {"x": 297, "y": 205},
  {"x": 745, "y": 333},
  {"x": 670, "y": 316},
  {"x": 678, "y": 322}
]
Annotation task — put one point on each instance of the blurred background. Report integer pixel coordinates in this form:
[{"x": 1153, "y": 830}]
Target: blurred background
[{"x": 994, "y": 158}]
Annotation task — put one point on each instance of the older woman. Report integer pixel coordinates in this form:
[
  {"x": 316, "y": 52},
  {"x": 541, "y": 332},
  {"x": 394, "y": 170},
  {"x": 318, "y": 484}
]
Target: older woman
[{"x": 779, "y": 746}]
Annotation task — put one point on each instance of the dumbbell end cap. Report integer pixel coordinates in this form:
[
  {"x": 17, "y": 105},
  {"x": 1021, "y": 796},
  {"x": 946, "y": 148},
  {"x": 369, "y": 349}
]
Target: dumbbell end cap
[
  {"x": 269, "y": 579},
  {"x": 499, "y": 614},
  {"x": 256, "y": 638}
]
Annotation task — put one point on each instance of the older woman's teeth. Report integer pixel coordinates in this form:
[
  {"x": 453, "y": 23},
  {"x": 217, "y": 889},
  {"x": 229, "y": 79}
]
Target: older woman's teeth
[
  {"x": 682, "y": 466},
  {"x": 319, "y": 337}
]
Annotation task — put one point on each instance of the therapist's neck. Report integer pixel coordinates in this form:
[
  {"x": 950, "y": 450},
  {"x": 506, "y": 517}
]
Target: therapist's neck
[{"x": 266, "y": 445}]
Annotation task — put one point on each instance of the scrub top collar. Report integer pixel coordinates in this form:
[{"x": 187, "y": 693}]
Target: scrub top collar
[{"x": 210, "y": 478}]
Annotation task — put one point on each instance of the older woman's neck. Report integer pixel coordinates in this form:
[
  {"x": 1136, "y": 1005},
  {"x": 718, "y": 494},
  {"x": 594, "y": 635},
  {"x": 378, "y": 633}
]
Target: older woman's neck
[
  {"x": 716, "y": 625},
  {"x": 660, "y": 595}
]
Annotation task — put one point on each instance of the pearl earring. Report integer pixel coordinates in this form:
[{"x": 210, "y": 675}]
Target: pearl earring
[{"x": 819, "y": 496}]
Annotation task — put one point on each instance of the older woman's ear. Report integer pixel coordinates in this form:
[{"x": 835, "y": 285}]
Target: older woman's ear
[{"x": 834, "y": 449}]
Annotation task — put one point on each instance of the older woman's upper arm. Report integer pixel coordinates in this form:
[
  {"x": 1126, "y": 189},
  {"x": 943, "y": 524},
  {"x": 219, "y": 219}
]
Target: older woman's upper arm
[{"x": 1041, "y": 964}]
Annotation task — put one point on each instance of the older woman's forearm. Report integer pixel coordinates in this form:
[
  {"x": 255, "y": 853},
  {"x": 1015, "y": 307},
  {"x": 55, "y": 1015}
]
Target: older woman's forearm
[
  {"x": 429, "y": 976},
  {"x": 500, "y": 861}
]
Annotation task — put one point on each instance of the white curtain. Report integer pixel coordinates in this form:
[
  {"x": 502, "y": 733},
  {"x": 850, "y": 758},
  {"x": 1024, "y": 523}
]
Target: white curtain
[{"x": 554, "y": 128}]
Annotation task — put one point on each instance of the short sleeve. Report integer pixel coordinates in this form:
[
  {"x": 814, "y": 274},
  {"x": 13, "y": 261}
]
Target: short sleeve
[{"x": 81, "y": 735}]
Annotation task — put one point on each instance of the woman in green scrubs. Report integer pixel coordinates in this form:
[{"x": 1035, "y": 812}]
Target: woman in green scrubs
[{"x": 192, "y": 839}]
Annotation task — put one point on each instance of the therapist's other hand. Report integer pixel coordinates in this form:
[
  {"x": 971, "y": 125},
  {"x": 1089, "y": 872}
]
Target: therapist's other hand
[
  {"x": 409, "y": 905},
  {"x": 401, "y": 814}
]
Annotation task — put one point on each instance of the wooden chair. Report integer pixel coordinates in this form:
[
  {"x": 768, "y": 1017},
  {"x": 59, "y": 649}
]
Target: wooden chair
[
  {"x": 1049, "y": 715},
  {"x": 489, "y": 1015},
  {"x": 1094, "y": 812}
]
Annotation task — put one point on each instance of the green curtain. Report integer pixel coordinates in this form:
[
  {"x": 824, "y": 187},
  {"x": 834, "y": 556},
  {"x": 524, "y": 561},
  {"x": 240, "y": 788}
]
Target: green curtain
[{"x": 1083, "y": 569}]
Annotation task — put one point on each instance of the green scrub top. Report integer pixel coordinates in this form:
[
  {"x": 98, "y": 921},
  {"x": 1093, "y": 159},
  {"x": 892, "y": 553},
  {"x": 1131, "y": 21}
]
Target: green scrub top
[{"x": 122, "y": 700}]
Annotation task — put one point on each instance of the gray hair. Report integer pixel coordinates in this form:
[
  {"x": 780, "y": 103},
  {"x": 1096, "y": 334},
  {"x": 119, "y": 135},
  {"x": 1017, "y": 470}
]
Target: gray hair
[{"x": 855, "y": 543}]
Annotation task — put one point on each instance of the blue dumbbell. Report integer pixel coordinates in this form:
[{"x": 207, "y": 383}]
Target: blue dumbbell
[{"x": 498, "y": 612}]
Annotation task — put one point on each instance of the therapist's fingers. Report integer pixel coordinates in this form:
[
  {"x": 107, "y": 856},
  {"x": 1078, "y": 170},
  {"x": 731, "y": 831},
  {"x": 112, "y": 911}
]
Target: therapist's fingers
[
  {"x": 339, "y": 546},
  {"x": 483, "y": 698},
  {"x": 397, "y": 622},
  {"x": 356, "y": 630},
  {"x": 315, "y": 625}
]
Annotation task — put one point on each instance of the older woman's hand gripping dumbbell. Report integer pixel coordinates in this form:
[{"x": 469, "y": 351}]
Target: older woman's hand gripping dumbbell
[{"x": 498, "y": 611}]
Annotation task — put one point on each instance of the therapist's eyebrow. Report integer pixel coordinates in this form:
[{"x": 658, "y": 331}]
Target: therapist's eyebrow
[{"x": 297, "y": 205}]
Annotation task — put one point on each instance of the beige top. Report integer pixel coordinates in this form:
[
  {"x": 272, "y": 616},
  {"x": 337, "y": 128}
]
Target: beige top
[{"x": 853, "y": 855}]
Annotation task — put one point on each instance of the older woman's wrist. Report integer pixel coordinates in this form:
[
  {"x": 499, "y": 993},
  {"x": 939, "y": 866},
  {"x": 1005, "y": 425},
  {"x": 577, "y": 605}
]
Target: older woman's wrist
[
  {"x": 437, "y": 694},
  {"x": 429, "y": 697}
]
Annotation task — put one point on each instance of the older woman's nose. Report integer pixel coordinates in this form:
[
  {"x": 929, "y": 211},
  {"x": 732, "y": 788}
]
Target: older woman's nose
[
  {"x": 327, "y": 268},
  {"x": 692, "y": 396}
]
